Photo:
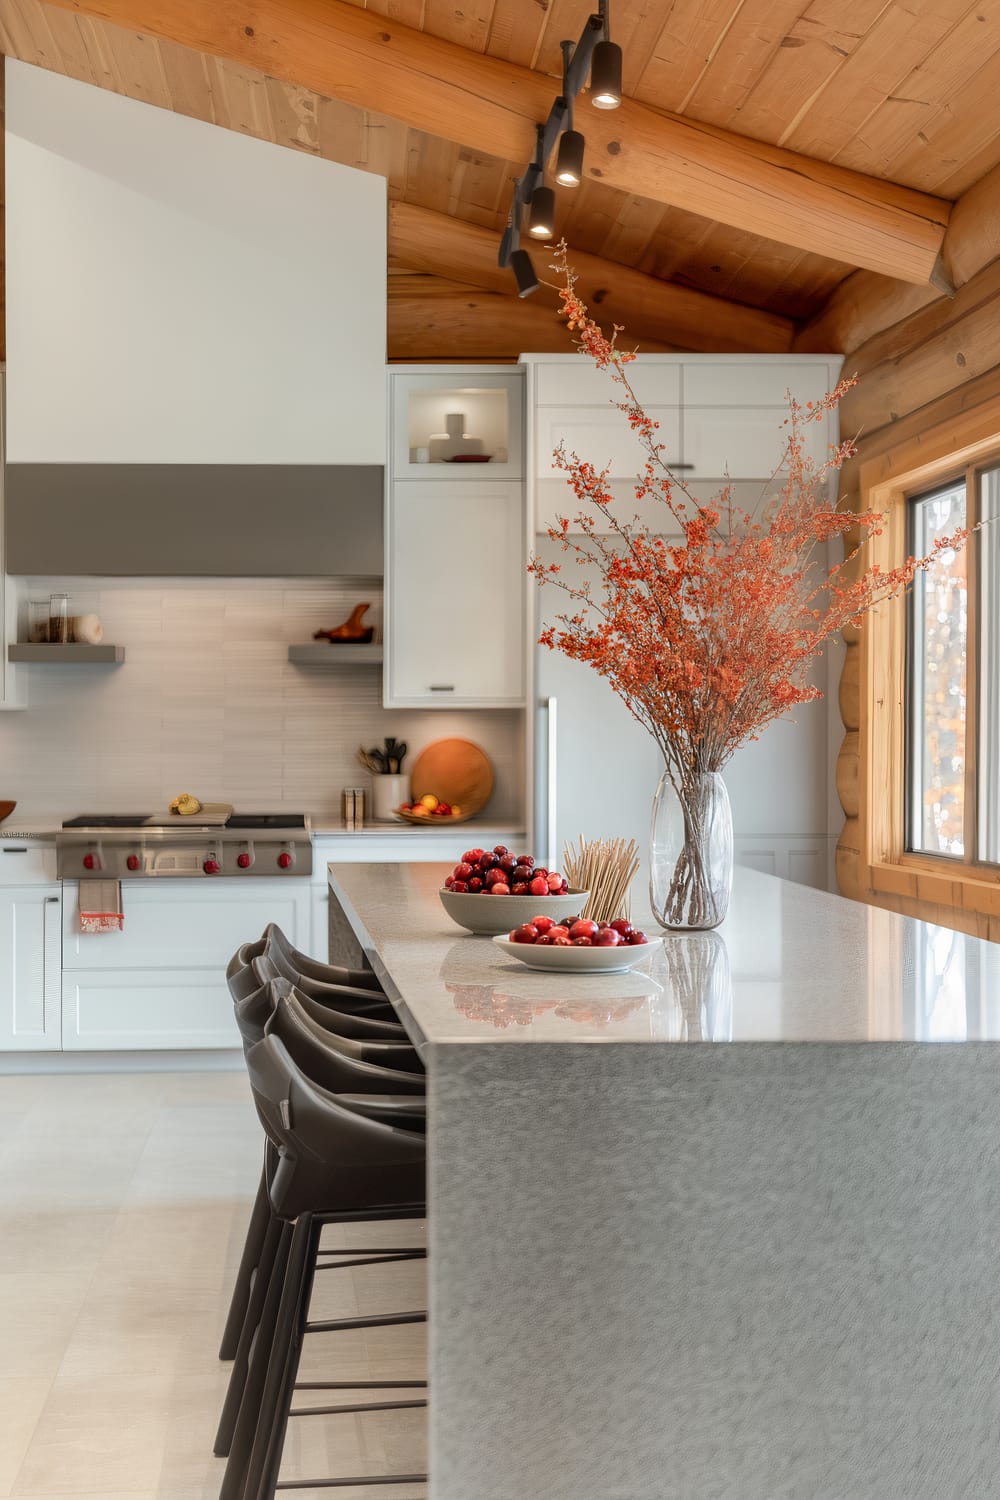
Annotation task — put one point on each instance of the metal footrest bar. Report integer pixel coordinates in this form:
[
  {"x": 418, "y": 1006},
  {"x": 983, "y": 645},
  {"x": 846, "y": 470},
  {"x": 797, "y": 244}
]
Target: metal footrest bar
[
  {"x": 376, "y": 1250},
  {"x": 336, "y": 1411},
  {"x": 360, "y": 1385},
  {"x": 375, "y": 1320},
  {"x": 343, "y": 1484},
  {"x": 373, "y": 1260}
]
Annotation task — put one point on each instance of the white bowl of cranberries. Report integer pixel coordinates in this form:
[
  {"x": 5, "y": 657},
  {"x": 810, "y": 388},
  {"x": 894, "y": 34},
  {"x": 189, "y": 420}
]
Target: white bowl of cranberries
[
  {"x": 493, "y": 890},
  {"x": 577, "y": 943}
]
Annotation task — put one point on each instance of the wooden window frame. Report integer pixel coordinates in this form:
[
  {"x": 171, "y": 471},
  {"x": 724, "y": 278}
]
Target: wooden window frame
[{"x": 888, "y": 484}]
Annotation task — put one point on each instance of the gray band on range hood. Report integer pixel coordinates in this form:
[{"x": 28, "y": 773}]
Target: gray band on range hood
[{"x": 195, "y": 520}]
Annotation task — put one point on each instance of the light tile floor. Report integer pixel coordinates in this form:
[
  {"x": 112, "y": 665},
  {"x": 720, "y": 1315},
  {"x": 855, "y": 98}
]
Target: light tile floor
[{"x": 123, "y": 1203}]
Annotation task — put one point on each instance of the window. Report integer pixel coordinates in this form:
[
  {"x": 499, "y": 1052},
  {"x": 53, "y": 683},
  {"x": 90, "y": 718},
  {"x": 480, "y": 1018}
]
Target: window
[{"x": 952, "y": 667}]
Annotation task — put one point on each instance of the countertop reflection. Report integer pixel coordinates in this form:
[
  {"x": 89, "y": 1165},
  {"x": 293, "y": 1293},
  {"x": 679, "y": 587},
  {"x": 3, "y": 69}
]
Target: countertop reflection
[{"x": 789, "y": 964}]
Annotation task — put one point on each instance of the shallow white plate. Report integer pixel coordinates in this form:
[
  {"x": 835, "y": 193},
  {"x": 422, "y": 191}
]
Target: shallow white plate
[{"x": 579, "y": 960}]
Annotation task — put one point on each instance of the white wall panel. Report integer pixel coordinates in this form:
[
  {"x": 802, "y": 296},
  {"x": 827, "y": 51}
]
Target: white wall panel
[{"x": 181, "y": 293}]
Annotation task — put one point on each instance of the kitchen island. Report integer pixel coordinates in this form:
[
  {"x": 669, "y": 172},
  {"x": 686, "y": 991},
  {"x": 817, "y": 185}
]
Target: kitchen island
[{"x": 726, "y": 1225}]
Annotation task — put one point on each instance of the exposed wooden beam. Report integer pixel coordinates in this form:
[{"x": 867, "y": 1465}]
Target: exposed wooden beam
[
  {"x": 645, "y": 307},
  {"x": 440, "y": 322},
  {"x": 864, "y": 305},
  {"x": 491, "y": 106}
]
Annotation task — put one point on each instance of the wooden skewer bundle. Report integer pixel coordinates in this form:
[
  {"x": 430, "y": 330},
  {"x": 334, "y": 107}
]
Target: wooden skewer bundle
[{"x": 605, "y": 868}]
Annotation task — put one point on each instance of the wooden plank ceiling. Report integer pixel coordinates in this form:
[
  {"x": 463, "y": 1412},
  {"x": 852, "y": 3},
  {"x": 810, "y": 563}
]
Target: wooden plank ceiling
[{"x": 903, "y": 92}]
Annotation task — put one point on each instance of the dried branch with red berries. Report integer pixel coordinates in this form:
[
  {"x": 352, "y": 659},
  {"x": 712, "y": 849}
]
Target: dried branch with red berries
[{"x": 707, "y": 626}]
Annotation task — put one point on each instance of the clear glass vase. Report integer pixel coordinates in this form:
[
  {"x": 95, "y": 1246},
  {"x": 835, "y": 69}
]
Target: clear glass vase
[{"x": 691, "y": 852}]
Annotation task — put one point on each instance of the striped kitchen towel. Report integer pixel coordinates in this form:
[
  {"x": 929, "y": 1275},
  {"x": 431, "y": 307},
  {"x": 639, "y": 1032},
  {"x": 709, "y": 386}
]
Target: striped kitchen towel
[{"x": 101, "y": 906}]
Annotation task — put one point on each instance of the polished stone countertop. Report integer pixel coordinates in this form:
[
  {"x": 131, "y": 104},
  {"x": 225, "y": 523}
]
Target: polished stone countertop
[{"x": 789, "y": 964}]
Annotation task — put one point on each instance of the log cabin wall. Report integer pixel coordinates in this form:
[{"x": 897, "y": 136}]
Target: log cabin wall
[{"x": 928, "y": 385}]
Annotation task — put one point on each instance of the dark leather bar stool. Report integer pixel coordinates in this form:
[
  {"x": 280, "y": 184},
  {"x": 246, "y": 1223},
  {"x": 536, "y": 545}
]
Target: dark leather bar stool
[
  {"x": 332, "y": 1166},
  {"x": 378, "y": 1080},
  {"x": 240, "y": 978},
  {"x": 346, "y": 1010}
]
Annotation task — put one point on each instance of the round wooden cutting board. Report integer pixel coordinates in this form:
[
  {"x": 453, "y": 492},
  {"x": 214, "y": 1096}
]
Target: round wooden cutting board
[{"x": 457, "y": 772}]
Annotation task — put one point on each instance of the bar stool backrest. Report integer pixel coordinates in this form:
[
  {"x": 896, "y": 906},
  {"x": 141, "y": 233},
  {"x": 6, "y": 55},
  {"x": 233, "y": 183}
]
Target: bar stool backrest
[
  {"x": 239, "y": 978},
  {"x": 336, "y": 1063},
  {"x": 293, "y": 963},
  {"x": 329, "y": 1159},
  {"x": 330, "y": 1009}
]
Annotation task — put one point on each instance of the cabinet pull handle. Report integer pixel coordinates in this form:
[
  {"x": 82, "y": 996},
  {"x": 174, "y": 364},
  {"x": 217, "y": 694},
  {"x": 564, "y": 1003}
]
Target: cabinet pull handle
[
  {"x": 53, "y": 899},
  {"x": 442, "y": 687},
  {"x": 15, "y": 849}
]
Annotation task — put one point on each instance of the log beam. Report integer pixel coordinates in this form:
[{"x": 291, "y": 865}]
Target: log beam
[
  {"x": 422, "y": 240},
  {"x": 491, "y": 106},
  {"x": 864, "y": 305},
  {"x": 436, "y": 320}
]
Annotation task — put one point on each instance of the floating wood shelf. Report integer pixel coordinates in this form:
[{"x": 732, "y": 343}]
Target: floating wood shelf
[
  {"x": 77, "y": 655},
  {"x": 323, "y": 655}
]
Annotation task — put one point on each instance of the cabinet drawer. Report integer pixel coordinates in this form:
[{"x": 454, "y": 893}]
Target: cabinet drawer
[
  {"x": 23, "y": 862},
  {"x": 753, "y": 383},
  {"x": 601, "y": 437},
  {"x": 107, "y": 1010},
  {"x": 185, "y": 924},
  {"x": 579, "y": 381}
]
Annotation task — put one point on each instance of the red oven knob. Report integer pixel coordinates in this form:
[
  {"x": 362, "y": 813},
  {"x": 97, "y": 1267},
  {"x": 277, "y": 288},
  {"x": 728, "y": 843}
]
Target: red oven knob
[
  {"x": 132, "y": 863},
  {"x": 211, "y": 867},
  {"x": 244, "y": 861},
  {"x": 284, "y": 860},
  {"x": 91, "y": 862}
]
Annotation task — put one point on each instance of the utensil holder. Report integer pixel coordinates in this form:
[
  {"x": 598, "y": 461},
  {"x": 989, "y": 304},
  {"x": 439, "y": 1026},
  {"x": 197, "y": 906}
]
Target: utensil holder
[{"x": 387, "y": 794}]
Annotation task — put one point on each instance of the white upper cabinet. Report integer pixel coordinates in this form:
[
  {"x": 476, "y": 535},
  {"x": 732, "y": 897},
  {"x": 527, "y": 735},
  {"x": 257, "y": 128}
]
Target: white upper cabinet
[
  {"x": 455, "y": 595},
  {"x": 455, "y": 538},
  {"x": 719, "y": 416},
  {"x": 457, "y": 423}
]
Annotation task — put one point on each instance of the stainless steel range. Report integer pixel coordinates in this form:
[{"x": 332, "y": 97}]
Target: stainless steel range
[{"x": 124, "y": 846}]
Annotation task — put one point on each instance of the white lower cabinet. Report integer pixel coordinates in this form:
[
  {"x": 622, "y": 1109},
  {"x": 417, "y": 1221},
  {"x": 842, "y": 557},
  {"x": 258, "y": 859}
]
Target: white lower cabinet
[
  {"x": 160, "y": 983},
  {"x": 30, "y": 946}
]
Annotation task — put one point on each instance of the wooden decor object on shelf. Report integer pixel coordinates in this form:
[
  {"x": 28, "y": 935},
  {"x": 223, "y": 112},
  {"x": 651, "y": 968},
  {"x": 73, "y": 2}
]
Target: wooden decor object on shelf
[
  {"x": 352, "y": 631},
  {"x": 457, "y": 772}
]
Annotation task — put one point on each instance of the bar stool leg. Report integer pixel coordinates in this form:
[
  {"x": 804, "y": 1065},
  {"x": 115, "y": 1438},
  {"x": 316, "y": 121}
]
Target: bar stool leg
[
  {"x": 266, "y": 1271},
  {"x": 260, "y": 1217},
  {"x": 233, "y": 1480},
  {"x": 283, "y": 1364}
]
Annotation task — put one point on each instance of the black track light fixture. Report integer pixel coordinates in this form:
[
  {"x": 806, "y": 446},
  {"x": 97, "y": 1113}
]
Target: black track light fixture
[
  {"x": 524, "y": 273},
  {"x": 606, "y": 68},
  {"x": 542, "y": 213},
  {"x": 569, "y": 161}
]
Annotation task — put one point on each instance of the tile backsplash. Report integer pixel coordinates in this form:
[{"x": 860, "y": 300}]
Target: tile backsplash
[{"x": 206, "y": 701}]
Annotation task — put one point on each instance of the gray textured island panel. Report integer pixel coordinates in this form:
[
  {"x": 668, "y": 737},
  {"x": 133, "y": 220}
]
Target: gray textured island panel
[
  {"x": 725, "y": 1228},
  {"x": 714, "y": 1272},
  {"x": 195, "y": 520}
]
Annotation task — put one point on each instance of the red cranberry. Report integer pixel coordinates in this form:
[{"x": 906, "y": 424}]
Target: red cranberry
[
  {"x": 500, "y": 849},
  {"x": 607, "y": 938},
  {"x": 449, "y": 882},
  {"x": 560, "y": 942},
  {"x": 543, "y": 940},
  {"x": 494, "y": 877},
  {"x": 582, "y": 942},
  {"x": 622, "y": 926},
  {"x": 525, "y": 859},
  {"x": 507, "y": 863},
  {"x": 463, "y": 871},
  {"x": 500, "y": 889},
  {"x": 584, "y": 928},
  {"x": 487, "y": 862},
  {"x": 544, "y": 924},
  {"x": 539, "y": 886},
  {"x": 459, "y": 886},
  {"x": 475, "y": 884},
  {"x": 559, "y": 931},
  {"x": 519, "y": 888},
  {"x": 637, "y": 938},
  {"x": 524, "y": 934}
]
